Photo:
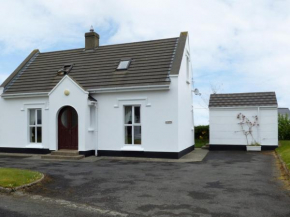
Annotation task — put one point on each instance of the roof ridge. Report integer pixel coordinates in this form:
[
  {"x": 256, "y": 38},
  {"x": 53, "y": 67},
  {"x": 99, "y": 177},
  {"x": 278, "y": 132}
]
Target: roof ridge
[
  {"x": 136, "y": 42},
  {"x": 241, "y": 93}
]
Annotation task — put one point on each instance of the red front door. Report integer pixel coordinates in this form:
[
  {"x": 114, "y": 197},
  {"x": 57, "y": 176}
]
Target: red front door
[{"x": 68, "y": 128}]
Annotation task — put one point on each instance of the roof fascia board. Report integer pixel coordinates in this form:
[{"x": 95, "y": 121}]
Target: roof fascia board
[
  {"x": 179, "y": 53},
  {"x": 239, "y": 107},
  {"x": 72, "y": 80},
  {"x": 126, "y": 89},
  {"x": 22, "y": 95},
  {"x": 18, "y": 69}
]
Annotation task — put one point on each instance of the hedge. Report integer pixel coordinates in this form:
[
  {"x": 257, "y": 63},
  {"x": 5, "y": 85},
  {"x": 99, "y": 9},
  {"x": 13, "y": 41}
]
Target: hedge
[
  {"x": 283, "y": 127},
  {"x": 201, "y": 132}
]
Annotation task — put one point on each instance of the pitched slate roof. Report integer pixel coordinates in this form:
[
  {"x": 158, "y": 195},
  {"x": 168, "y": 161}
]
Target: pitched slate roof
[
  {"x": 243, "y": 99},
  {"x": 152, "y": 62}
]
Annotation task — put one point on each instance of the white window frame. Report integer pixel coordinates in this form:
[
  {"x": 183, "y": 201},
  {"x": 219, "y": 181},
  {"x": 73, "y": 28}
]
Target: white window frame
[
  {"x": 35, "y": 125},
  {"x": 123, "y": 68},
  {"x": 132, "y": 125}
]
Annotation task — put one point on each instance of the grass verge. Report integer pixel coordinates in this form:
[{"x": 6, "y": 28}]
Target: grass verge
[
  {"x": 284, "y": 151},
  {"x": 200, "y": 142},
  {"x": 12, "y": 178}
]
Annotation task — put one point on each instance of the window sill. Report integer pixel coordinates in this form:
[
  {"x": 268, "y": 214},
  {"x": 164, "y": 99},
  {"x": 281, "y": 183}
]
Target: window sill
[
  {"x": 132, "y": 148},
  {"x": 34, "y": 145},
  {"x": 91, "y": 130}
]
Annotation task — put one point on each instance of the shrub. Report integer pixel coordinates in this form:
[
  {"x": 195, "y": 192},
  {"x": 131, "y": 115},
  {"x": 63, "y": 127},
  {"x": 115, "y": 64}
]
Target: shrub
[
  {"x": 283, "y": 127},
  {"x": 201, "y": 132}
]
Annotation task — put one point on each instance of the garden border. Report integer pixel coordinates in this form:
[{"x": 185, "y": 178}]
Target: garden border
[
  {"x": 283, "y": 164},
  {"x": 9, "y": 190}
]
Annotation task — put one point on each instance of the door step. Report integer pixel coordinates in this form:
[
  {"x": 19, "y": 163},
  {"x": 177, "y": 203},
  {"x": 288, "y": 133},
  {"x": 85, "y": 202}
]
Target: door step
[
  {"x": 206, "y": 146},
  {"x": 63, "y": 155},
  {"x": 65, "y": 152}
]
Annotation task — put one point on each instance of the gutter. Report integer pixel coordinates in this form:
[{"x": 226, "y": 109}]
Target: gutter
[
  {"x": 100, "y": 90},
  {"x": 237, "y": 107},
  {"x": 21, "y": 95},
  {"x": 126, "y": 89}
]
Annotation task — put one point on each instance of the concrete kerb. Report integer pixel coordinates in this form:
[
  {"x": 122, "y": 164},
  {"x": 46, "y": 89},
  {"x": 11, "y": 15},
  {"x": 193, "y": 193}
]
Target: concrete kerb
[
  {"x": 283, "y": 164},
  {"x": 196, "y": 155},
  {"x": 9, "y": 190}
]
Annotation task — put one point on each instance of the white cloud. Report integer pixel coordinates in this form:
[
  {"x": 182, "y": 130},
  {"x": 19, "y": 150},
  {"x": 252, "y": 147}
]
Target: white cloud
[{"x": 242, "y": 44}]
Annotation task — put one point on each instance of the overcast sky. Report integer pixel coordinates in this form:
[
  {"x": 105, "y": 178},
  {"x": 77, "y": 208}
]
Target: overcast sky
[{"x": 236, "y": 45}]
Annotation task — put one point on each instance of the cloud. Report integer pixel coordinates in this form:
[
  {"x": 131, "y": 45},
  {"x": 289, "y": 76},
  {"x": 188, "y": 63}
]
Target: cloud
[{"x": 242, "y": 44}]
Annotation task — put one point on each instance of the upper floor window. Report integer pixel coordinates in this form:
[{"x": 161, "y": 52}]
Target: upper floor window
[
  {"x": 35, "y": 126},
  {"x": 124, "y": 64},
  {"x": 133, "y": 125}
]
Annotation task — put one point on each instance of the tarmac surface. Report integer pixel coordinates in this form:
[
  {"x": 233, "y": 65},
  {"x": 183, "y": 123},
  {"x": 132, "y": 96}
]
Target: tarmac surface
[{"x": 224, "y": 183}]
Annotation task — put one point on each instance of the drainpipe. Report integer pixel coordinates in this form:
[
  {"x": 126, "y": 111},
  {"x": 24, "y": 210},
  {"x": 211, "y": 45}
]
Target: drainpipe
[
  {"x": 97, "y": 130},
  {"x": 258, "y": 128}
]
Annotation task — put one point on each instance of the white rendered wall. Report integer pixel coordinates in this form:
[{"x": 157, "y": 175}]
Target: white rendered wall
[
  {"x": 269, "y": 126},
  {"x": 15, "y": 113},
  {"x": 225, "y": 130},
  {"x": 14, "y": 122},
  {"x": 157, "y": 107},
  {"x": 166, "y": 117},
  {"x": 185, "y": 110},
  {"x": 78, "y": 99}
]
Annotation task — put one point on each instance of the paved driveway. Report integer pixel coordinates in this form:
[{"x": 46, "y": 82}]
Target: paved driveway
[{"x": 223, "y": 184}]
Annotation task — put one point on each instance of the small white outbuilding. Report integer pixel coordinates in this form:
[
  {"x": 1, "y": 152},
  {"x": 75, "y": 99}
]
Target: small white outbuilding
[{"x": 241, "y": 119}]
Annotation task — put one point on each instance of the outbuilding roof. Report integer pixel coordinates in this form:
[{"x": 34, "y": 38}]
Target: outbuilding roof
[
  {"x": 151, "y": 63},
  {"x": 284, "y": 111},
  {"x": 243, "y": 99}
]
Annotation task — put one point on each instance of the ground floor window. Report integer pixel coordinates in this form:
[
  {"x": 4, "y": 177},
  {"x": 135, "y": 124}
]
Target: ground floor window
[
  {"x": 133, "y": 125},
  {"x": 35, "y": 126}
]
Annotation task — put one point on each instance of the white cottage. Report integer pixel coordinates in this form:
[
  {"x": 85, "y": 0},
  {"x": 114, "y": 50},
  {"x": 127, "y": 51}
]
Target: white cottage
[
  {"x": 231, "y": 116},
  {"x": 130, "y": 99}
]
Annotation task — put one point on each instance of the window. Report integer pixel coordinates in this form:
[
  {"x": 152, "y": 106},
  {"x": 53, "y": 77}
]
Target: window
[
  {"x": 35, "y": 126},
  {"x": 124, "y": 64},
  {"x": 65, "y": 69},
  {"x": 133, "y": 125}
]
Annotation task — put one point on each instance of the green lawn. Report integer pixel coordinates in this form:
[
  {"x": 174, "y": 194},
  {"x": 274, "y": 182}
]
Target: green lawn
[
  {"x": 200, "y": 142},
  {"x": 11, "y": 178},
  {"x": 284, "y": 151}
]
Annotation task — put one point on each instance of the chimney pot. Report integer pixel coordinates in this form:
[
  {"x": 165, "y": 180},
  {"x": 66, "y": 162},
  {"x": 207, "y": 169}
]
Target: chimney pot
[{"x": 91, "y": 40}]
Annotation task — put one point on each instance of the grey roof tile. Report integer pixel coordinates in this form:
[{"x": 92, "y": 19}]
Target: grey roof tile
[
  {"x": 151, "y": 65},
  {"x": 243, "y": 99}
]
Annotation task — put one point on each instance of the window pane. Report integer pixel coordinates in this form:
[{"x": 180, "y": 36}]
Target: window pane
[
  {"x": 123, "y": 64},
  {"x": 64, "y": 118},
  {"x": 128, "y": 135},
  {"x": 38, "y": 116},
  {"x": 137, "y": 135},
  {"x": 137, "y": 115},
  {"x": 32, "y": 134},
  {"x": 39, "y": 134},
  {"x": 32, "y": 117},
  {"x": 128, "y": 114}
]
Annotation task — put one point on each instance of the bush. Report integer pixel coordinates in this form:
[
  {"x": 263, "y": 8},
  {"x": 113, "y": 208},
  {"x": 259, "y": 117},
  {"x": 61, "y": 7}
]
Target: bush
[
  {"x": 283, "y": 127},
  {"x": 201, "y": 132}
]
